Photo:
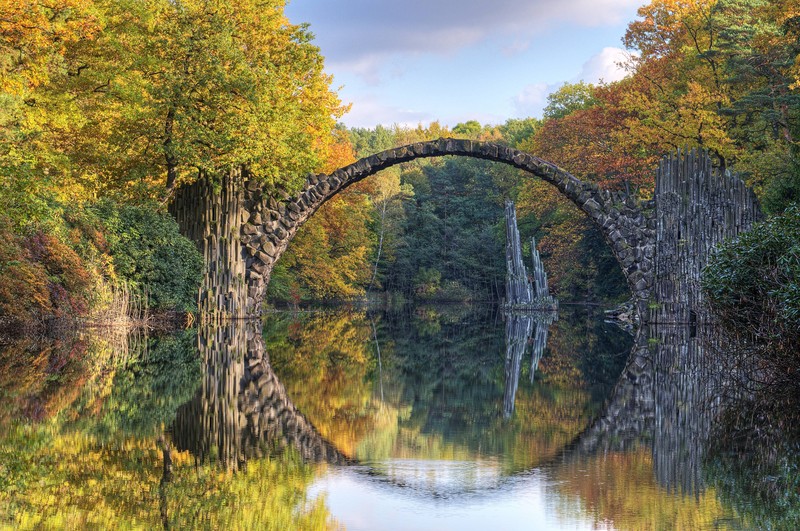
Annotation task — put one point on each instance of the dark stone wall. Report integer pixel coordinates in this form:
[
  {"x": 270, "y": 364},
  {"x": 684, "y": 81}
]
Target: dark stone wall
[
  {"x": 212, "y": 216},
  {"x": 697, "y": 206}
]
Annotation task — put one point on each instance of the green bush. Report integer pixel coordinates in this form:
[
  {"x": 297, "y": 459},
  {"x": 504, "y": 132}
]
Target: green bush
[
  {"x": 753, "y": 282},
  {"x": 783, "y": 190},
  {"x": 753, "y": 286},
  {"x": 148, "y": 250}
]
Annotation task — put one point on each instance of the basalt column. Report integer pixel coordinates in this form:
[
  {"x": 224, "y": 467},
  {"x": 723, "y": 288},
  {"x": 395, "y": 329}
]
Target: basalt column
[
  {"x": 211, "y": 214},
  {"x": 241, "y": 411},
  {"x": 698, "y": 206}
]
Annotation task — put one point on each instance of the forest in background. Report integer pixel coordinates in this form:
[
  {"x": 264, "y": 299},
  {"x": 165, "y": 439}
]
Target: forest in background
[{"x": 108, "y": 105}]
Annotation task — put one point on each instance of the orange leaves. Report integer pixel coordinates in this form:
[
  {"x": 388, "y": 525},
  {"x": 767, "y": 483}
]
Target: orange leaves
[
  {"x": 677, "y": 89},
  {"x": 668, "y": 25},
  {"x": 40, "y": 276},
  {"x": 592, "y": 142},
  {"x": 338, "y": 149}
]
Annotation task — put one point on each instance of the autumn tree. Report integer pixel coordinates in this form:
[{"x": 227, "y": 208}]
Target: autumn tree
[
  {"x": 586, "y": 134},
  {"x": 35, "y": 39},
  {"x": 130, "y": 98},
  {"x": 677, "y": 84}
]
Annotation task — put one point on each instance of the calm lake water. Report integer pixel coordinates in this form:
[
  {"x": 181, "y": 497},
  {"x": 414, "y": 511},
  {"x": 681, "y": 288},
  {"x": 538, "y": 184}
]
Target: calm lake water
[{"x": 423, "y": 418}]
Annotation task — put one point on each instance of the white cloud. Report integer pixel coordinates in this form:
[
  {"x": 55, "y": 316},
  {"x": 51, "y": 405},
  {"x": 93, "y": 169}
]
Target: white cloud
[
  {"x": 608, "y": 66},
  {"x": 369, "y": 113},
  {"x": 532, "y": 99}
]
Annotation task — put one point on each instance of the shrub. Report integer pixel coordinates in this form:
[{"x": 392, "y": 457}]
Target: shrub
[
  {"x": 753, "y": 287},
  {"x": 753, "y": 282},
  {"x": 148, "y": 250},
  {"x": 427, "y": 282},
  {"x": 40, "y": 276},
  {"x": 23, "y": 286}
]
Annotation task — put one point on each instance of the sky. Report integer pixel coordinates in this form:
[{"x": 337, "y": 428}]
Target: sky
[{"x": 412, "y": 62}]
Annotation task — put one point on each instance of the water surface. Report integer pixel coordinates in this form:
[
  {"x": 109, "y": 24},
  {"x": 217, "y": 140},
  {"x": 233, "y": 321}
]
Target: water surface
[{"x": 422, "y": 418}]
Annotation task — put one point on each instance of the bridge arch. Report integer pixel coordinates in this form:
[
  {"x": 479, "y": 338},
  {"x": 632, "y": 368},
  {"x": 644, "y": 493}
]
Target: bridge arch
[{"x": 627, "y": 225}]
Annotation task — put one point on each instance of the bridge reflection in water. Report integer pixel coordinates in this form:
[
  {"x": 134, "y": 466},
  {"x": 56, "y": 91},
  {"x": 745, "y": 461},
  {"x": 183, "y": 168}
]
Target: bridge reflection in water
[
  {"x": 663, "y": 400},
  {"x": 241, "y": 410}
]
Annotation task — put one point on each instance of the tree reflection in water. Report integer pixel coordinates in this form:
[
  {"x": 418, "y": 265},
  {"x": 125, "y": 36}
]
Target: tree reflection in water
[
  {"x": 429, "y": 416},
  {"x": 439, "y": 421},
  {"x": 94, "y": 454}
]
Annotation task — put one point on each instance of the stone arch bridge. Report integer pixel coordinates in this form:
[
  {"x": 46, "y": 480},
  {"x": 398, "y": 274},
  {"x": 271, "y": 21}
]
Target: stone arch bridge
[{"x": 661, "y": 244}]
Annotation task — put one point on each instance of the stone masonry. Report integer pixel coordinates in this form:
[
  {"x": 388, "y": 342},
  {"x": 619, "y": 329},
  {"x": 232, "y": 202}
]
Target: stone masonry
[{"x": 628, "y": 225}]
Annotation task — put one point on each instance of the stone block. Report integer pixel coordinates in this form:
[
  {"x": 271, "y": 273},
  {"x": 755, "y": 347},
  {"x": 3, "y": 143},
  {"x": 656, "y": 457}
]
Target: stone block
[
  {"x": 268, "y": 248},
  {"x": 255, "y": 218},
  {"x": 591, "y": 205}
]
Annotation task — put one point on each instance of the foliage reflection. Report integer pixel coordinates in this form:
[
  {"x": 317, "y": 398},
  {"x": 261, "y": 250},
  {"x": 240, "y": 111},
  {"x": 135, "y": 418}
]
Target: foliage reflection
[{"x": 84, "y": 419}]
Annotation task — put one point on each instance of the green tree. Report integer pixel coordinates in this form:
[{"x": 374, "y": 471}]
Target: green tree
[
  {"x": 758, "y": 41},
  {"x": 570, "y": 97}
]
